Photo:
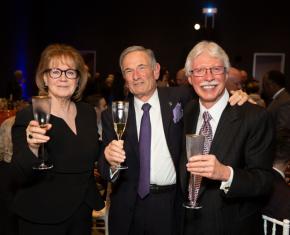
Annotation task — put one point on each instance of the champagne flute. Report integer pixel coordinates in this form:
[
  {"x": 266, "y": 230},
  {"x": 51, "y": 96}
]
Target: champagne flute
[
  {"x": 41, "y": 111},
  {"x": 194, "y": 146},
  {"x": 120, "y": 114}
]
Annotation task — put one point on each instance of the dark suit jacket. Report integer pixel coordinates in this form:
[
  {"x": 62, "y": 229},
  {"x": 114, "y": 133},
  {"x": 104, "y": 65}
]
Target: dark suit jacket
[
  {"x": 280, "y": 109},
  {"x": 278, "y": 202},
  {"x": 53, "y": 196},
  {"x": 243, "y": 141},
  {"x": 124, "y": 191}
]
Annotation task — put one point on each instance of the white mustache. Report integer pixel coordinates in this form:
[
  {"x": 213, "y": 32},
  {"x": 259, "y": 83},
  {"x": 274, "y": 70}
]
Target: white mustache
[{"x": 212, "y": 83}]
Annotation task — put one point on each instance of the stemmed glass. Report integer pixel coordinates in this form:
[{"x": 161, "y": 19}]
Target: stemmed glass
[
  {"x": 120, "y": 111},
  {"x": 194, "y": 146},
  {"x": 41, "y": 111}
]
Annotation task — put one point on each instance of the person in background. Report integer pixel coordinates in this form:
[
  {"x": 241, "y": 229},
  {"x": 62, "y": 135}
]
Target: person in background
[
  {"x": 164, "y": 78},
  {"x": 137, "y": 208},
  {"x": 181, "y": 78},
  {"x": 93, "y": 85},
  {"x": 252, "y": 88},
  {"x": 277, "y": 204},
  {"x": 107, "y": 88},
  {"x": 99, "y": 103},
  {"x": 277, "y": 97},
  {"x": 244, "y": 76},
  {"x": 14, "y": 89},
  {"x": 61, "y": 200},
  {"x": 236, "y": 164},
  {"x": 234, "y": 81}
]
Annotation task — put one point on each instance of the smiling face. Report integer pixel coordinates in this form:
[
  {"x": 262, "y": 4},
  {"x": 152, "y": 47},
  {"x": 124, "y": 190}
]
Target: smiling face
[
  {"x": 140, "y": 75},
  {"x": 209, "y": 87},
  {"x": 62, "y": 87}
]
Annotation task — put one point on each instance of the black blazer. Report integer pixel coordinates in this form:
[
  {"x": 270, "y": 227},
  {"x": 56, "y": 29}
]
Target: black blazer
[
  {"x": 280, "y": 110},
  {"x": 243, "y": 141},
  {"x": 124, "y": 191},
  {"x": 53, "y": 196}
]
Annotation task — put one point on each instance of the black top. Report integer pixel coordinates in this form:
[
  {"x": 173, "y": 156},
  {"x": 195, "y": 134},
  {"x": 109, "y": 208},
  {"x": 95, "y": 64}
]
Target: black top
[{"x": 52, "y": 196}]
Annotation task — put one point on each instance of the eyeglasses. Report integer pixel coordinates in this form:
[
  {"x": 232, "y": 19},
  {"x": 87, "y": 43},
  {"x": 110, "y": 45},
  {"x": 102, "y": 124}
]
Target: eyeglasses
[
  {"x": 56, "y": 73},
  {"x": 215, "y": 70}
]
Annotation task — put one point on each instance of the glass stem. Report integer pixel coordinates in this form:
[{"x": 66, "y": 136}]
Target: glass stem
[{"x": 42, "y": 154}]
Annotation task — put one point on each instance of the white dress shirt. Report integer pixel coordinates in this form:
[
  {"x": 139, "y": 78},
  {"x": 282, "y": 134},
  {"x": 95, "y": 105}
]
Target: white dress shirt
[
  {"x": 216, "y": 111},
  {"x": 162, "y": 171}
]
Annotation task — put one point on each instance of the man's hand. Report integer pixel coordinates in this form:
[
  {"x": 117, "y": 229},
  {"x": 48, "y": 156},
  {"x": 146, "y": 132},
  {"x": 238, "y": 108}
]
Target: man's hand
[
  {"x": 208, "y": 166},
  {"x": 114, "y": 153}
]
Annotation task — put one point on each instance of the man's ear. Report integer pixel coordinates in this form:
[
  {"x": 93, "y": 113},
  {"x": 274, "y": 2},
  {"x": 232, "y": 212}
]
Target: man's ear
[
  {"x": 156, "y": 71},
  {"x": 189, "y": 80}
]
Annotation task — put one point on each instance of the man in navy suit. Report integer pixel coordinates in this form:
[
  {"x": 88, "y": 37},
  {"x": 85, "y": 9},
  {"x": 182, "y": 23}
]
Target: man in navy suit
[
  {"x": 131, "y": 213},
  {"x": 274, "y": 89},
  {"x": 237, "y": 171}
]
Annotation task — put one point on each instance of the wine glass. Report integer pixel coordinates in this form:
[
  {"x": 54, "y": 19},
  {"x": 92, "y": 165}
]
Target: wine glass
[
  {"x": 194, "y": 146},
  {"x": 41, "y": 111},
  {"x": 120, "y": 114}
]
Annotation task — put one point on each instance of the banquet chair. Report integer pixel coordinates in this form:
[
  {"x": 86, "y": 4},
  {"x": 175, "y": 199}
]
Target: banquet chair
[
  {"x": 285, "y": 225},
  {"x": 100, "y": 218}
]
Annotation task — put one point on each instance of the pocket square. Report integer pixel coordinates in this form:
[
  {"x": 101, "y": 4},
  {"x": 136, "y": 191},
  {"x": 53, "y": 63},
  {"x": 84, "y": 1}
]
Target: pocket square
[{"x": 177, "y": 113}]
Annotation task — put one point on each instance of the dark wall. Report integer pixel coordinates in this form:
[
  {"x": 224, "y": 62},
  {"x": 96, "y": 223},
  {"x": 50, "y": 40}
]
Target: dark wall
[{"x": 241, "y": 28}]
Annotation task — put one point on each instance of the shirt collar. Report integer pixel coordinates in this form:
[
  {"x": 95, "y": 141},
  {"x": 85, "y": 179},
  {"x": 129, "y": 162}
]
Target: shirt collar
[
  {"x": 280, "y": 172},
  {"x": 216, "y": 110},
  {"x": 153, "y": 101},
  {"x": 278, "y": 92}
]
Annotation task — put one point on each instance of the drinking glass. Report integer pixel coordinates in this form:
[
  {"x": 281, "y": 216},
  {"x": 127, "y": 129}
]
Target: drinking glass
[
  {"x": 41, "y": 111},
  {"x": 120, "y": 111},
  {"x": 194, "y": 146}
]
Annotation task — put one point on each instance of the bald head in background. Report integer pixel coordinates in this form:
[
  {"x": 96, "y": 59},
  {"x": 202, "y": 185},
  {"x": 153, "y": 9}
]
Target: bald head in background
[
  {"x": 181, "y": 78},
  {"x": 235, "y": 79}
]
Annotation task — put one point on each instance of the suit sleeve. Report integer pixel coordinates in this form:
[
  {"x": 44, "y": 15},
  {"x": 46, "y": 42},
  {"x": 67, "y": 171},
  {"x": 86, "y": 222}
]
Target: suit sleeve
[
  {"x": 283, "y": 116},
  {"x": 255, "y": 178},
  {"x": 107, "y": 136}
]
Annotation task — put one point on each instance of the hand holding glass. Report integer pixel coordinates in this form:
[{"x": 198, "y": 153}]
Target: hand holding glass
[
  {"x": 194, "y": 146},
  {"x": 41, "y": 111},
  {"x": 120, "y": 111}
]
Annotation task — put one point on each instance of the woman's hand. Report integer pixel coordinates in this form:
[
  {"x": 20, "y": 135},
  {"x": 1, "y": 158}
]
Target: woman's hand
[{"x": 35, "y": 135}]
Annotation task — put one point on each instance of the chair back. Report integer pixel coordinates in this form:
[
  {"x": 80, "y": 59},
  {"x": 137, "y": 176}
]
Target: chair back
[
  {"x": 102, "y": 215},
  {"x": 285, "y": 225}
]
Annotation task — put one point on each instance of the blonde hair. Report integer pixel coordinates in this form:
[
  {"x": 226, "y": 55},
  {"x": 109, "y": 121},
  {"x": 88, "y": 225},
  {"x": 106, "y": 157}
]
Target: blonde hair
[{"x": 59, "y": 52}]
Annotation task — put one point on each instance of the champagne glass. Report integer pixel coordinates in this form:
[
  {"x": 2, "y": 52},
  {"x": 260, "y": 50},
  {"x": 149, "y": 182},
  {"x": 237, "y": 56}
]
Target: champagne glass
[
  {"x": 194, "y": 146},
  {"x": 120, "y": 114},
  {"x": 41, "y": 111}
]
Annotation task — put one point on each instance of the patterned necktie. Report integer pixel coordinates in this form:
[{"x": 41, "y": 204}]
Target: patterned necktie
[
  {"x": 144, "y": 152},
  {"x": 205, "y": 130}
]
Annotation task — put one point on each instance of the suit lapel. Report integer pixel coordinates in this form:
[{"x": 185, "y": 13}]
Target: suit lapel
[
  {"x": 191, "y": 118},
  {"x": 131, "y": 129},
  {"x": 224, "y": 131},
  {"x": 166, "y": 113}
]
